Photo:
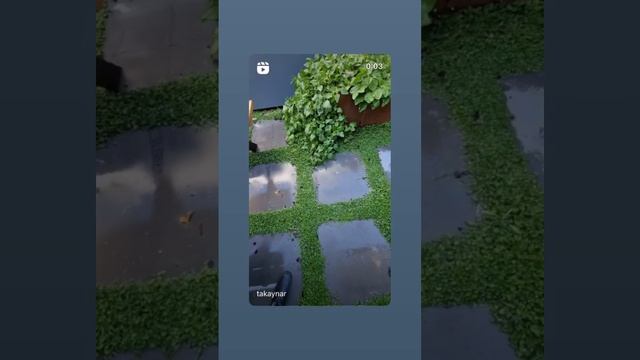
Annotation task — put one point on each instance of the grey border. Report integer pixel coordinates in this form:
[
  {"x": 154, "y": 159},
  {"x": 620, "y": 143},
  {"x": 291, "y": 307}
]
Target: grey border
[{"x": 330, "y": 26}]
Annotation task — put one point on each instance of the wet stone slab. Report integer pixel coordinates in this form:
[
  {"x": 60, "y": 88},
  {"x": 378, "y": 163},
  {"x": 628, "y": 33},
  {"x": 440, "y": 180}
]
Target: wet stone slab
[
  {"x": 156, "y": 41},
  {"x": 525, "y": 99},
  {"x": 156, "y": 204},
  {"x": 269, "y": 257},
  {"x": 357, "y": 261},
  {"x": 385, "y": 160},
  {"x": 269, "y": 134},
  {"x": 272, "y": 187},
  {"x": 210, "y": 353},
  {"x": 341, "y": 179},
  {"x": 463, "y": 332},
  {"x": 447, "y": 203}
]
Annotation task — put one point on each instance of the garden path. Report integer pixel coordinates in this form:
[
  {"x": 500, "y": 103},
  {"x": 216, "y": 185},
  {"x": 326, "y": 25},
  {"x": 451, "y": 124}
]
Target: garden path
[{"x": 157, "y": 41}]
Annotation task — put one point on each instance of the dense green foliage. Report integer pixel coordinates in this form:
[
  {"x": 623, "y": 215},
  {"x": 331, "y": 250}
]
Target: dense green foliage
[
  {"x": 307, "y": 214},
  {"x": 188, "y": 101},
  {"x": 164, "y": 313},
  {"x": 427, "y": 6},
  {"x": 499, "y": 260},
  {"x": 312, "y": 115}
]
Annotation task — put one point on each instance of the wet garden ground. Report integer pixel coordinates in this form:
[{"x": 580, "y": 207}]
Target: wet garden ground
[
  {"x": 525, "y": 99},
  {"x": 157, "y": 41},
  {"x": 483, "y": 184},
  {"x": 156, "y": 183},
  {"x": 156, "y": 204},
  {"x": 324, "y": 214}
]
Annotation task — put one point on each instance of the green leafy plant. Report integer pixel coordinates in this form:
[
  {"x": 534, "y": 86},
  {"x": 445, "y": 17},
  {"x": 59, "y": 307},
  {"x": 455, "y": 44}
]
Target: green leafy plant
[
  {"x": 191, "y": 101},
  {"x": 427, "y": 6},
  {"x": 165, "y": 313},
  {"x": 312, "y": 115}
]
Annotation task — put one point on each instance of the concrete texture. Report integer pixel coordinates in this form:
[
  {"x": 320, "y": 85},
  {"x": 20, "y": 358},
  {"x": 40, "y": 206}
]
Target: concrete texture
[
  {"x": 341, "y": 179},
  {"x": 525, "y": 99},
  {"x": 463, "y": 333},
  {"x": 269, "y": 257},
  {"x": 272, "y": 187},
  {"x": 357, "y": 261},
  {"x": 269, "y": 134},
  {"x": 447, "y": 203},
  {"x": 156, "y": 204},
  {"x": 385, "y": 160},
  {"x": 156, "y": 41}
]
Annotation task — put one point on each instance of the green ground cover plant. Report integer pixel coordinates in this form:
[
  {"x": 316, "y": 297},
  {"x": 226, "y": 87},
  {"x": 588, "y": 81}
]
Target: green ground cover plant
[
  {"x": 307, "y": 214},
  {"x": 164, "y": 313},
  {"x": 271, "y": 114},
  {"x": 500, "y": 259},
  {"x": 427, "y": 7},
  {"x": 312, "y": 115},
  {"x": 188, "y": 101}
]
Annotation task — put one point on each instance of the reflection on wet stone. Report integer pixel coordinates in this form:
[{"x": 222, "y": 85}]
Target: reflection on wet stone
[
  {"x": 269, "y": 134},
  {"x": 385, "y": 160},
  {"x": 150, "y": 51},
  {"x": 447, "y": 203},
  {"x": 269, "y": 257},
  {"x": 525, "y": 99},
  {"x": 146, "y": 182},
  {"x": 463, "y": 332},
  {"x": 357, "y": 260},
  {"x": 341, "y": 179},
  {"x": 271, "y": 187}
]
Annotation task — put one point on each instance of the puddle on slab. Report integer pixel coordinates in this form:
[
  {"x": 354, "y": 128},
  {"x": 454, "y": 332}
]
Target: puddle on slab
[
  {"x": 341, "y": 179},
  {"x": 357, "y": 261},
  {"x": 525, "y": 99},
  {"x": 447, "y": 203},
  {"x": 269, "y": 257},
  {"x": 272, "y": 187},
  {"x": 156, "y": 41},
  {"x": 269, "y": 134},
  {"x": 385, "y": 160},
  {"x": 156, "y": 204},
  {"x": 463, "y": 332}
]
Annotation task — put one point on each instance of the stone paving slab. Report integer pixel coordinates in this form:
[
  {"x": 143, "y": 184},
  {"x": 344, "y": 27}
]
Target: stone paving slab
[
  {"x": 269, "y": 134},
  {"x": 447, "y": 202},
  {"x": 210, "y": 353},
  {"x": 272, "y": 187},
  {"x": 341, "y": 179},
  {"x": 463, "y": 333},
  {"x": 269, "y": 257},
  {"x": 525, "y": 99},
  {"x": 156, "y": 204},
  {"x": 385, "y": 160},
  {"x": 156, "y": 41},
  {"x": 357, "y": 260}
]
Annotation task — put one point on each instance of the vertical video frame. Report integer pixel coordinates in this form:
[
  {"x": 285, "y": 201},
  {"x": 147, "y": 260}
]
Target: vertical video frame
[{"x": 319, "y": 128}]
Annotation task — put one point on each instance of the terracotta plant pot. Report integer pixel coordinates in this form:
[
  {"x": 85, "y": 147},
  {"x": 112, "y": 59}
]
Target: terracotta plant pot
[{"x": 368, "y": 117}]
